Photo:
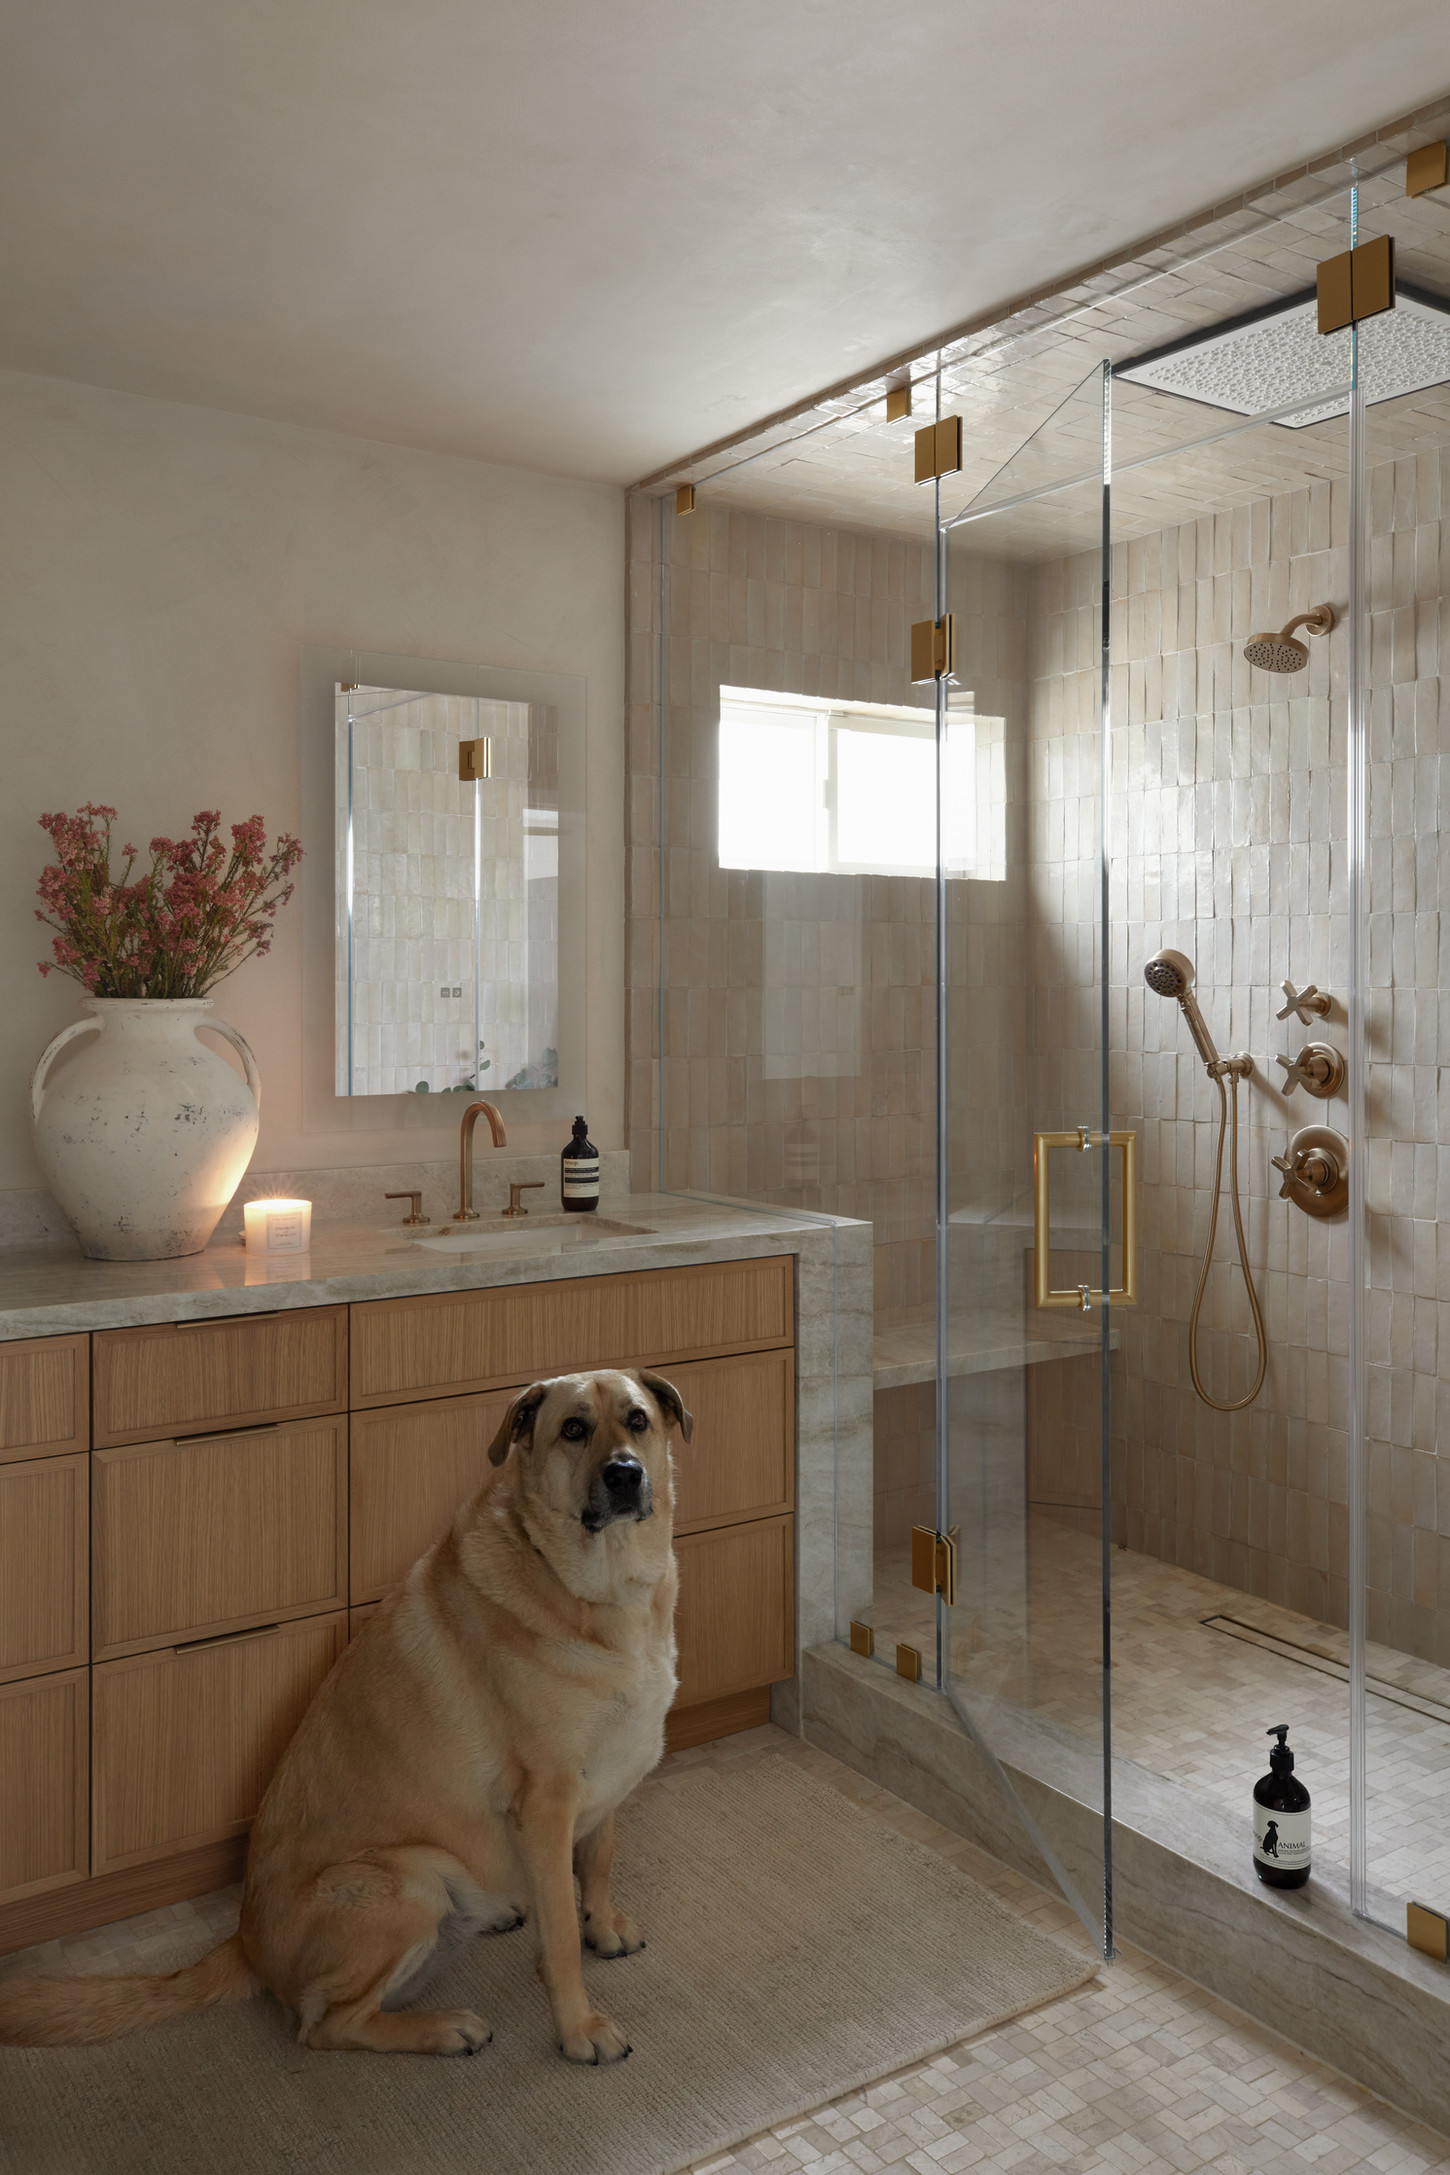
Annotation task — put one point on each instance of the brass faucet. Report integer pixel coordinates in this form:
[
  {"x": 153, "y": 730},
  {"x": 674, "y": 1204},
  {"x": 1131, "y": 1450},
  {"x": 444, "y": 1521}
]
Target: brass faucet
[{"x": 467, "y": 1213}]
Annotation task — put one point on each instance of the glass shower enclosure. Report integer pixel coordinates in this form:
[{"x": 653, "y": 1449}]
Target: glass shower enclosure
[{"x": 981, "y": 728}]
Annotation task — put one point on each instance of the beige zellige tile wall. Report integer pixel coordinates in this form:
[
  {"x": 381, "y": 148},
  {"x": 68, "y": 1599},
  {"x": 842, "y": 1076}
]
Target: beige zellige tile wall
[
  {"x": 795, "y": 1010},
  {"x": 1228, "y": 830}
]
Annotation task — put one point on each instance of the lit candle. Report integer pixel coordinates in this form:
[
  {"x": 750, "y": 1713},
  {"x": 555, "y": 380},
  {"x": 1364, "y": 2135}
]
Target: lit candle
[{"x": 278, "y": 1227}]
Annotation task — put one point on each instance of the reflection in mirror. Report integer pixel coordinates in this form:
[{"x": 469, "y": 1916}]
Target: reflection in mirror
[{"x": 448, "y": 893}]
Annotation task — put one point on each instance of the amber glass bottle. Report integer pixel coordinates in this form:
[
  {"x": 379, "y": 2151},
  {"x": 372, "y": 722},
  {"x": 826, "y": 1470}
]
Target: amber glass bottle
[{"x": 1281, "y": 1819}]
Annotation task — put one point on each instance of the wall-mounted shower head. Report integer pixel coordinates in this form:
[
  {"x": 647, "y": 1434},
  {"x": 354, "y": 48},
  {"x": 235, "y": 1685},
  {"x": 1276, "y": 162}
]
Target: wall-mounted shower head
[
  {"x": 1170, "y": 974},
  {"x": 1280, "y": 652}
]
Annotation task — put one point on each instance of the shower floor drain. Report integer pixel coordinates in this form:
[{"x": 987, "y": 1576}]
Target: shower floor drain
[{"x": 1326, "y": 1666}]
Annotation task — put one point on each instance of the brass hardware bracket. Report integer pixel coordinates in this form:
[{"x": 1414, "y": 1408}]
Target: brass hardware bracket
[
  {"x": 475, "y": 759},
  {"x": 939, "y": 449},
  {"x": 1427, "y": 1930},
  {"x": 1356, "y": 284},
  {"x": 933, "y": 649},
  {"x": 1082, "y": 1296},
  {"x": 685, "y": 499},
  {"x": 934, "y": 1562},
  {"x": 908, "y": 1664},
  {"x": 1427, "y": 168},
  {"x": 863, "y": 1639},
  {"x": 898, "y": 402}
]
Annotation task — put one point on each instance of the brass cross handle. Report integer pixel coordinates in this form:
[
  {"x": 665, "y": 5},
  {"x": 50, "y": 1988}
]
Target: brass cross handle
[
  {"x": 1318, "y": 1069},
  {"x": 1315, "y": 1171},
  {"x": 1306, "y": 1005}
]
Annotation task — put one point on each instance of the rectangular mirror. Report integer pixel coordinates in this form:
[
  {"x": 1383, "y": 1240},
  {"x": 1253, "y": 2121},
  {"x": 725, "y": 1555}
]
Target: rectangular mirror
[{"x": 448, "y": 876}]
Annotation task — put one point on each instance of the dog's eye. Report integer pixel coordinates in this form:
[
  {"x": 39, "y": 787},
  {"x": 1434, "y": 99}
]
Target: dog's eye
[
  {"x": 638, "y": 1420},
  {"x": 573, "y": 1430}
]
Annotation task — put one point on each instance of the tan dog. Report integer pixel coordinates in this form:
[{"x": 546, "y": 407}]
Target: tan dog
[{"x": 466, "y": 1754}]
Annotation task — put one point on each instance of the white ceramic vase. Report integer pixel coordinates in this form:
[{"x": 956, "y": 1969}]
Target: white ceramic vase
[{"x": 145, "y": 1134}]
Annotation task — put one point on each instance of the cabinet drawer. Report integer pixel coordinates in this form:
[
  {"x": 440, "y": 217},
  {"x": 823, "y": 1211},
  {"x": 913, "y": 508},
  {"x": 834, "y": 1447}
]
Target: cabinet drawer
[
  {"x": 200, "y": 1537},
  {"x": 186, "y": 1740},
  {"x": 183, "y": 1377},
  {"x": 44, "y": 1783},
  {"x": 741, "y": 1461},
  {"x": 735, "y": 1623},
  {"x": 478, "y": 1340},
  {"x": 44, "y": 1563},
  {"x": 412, "y": 1465},
  {"x": 45, "y": 1392}
]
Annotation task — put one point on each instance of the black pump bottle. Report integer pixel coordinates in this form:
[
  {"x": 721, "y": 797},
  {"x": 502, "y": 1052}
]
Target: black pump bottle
[
  {"x": 579, "y": 1172},
  {"x": 1281, "y": 1819}
]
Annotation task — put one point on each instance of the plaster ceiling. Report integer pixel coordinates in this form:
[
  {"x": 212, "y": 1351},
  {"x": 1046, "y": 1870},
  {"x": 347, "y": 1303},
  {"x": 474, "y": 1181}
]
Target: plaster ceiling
[{"x": 588, "y": 235}]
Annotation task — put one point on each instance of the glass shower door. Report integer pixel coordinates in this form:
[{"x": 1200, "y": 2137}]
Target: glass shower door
[{"x": 1030, "y": 1174}]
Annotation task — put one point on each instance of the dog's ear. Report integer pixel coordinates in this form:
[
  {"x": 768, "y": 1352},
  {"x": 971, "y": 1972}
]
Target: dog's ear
[
  {"x": 518, "y": 1422},
  {"x": 668, "y": 1397}
]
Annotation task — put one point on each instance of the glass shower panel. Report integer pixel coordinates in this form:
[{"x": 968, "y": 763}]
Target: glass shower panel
[
  {"x": 1028, "y": 1244},
  {"x": 1407, "y": 1326},
  {"x": 788, "y": 959}
]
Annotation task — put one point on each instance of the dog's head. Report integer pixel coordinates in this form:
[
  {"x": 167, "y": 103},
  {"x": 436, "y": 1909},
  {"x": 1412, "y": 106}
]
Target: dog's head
[{"x": 596, "y": 1446}]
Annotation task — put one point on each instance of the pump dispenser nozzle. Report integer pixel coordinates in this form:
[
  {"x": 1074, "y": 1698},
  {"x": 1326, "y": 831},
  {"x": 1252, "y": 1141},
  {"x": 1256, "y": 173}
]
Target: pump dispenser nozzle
[{"x": 1281, "y": 1759}]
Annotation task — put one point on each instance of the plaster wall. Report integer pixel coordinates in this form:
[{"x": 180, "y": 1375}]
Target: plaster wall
[{"x": 162, "y": 567}]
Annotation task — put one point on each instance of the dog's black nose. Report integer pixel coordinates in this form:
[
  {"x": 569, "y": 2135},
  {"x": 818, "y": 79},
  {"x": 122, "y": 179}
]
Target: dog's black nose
[{"x": 623, "y": 1476}]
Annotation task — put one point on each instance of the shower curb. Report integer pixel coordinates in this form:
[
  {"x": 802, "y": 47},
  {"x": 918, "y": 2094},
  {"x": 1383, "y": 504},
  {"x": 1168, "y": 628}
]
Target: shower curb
[{"x": 1347, "y": 1992}]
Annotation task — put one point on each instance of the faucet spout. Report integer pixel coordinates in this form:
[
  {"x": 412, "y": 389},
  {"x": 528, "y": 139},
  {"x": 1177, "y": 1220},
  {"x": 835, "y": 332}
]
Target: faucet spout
[{"x": 467, "y": 1213}]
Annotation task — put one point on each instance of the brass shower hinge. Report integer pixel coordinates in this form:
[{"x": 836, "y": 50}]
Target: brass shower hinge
[
  {"x": 898, "y": 402},
  {"x": 1427, "y": 1931},
  {"x": 475, "y": 759},
  {"x": 934, "y": 1561},
  {"x": 939, "y": 449},
  {"x": 934, "y": 648},
  {"x": 863, "y": 1638},
  {"x": 1358, "y": 283},
  {"x": 685, "y": 499},
  {"x": 908, "y": 1663},
  {"x": 1427, "y": 168}
]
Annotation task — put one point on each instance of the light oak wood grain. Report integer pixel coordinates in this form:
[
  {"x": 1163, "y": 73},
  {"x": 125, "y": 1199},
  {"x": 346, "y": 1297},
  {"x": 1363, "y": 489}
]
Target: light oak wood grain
[
  {"x": 740, "y": 1462},
  {"x": 412, "y": 1466},
  {"x": 735, "y": 1619},
  {"x": 45, "y": 1391},
  {"x": 44, "y": 1565},
  {"x": 86, "y": 1903},
  {"x": 185, "y": 1741},
  {"x": 193, "y": 1377},
  {"x": 199, "y": 1537},
  {"x": 711, "y": 1718},
  {"x": 478, "y": 1340},
  {"x": 44, "y": 1744}
]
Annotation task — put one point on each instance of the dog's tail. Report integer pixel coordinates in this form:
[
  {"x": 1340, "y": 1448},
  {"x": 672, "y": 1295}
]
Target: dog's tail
[{"x": 75, "y": 2012}]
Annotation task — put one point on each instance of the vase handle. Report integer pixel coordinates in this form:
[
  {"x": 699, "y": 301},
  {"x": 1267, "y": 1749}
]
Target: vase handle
[
  {"x": 52, "y": 1049},
  {"x": 243, "y": 1049}
]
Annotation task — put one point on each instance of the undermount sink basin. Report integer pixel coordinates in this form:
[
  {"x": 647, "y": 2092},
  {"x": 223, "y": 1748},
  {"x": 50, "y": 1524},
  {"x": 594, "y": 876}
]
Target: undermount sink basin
[{"x": 533, "y": 1234}]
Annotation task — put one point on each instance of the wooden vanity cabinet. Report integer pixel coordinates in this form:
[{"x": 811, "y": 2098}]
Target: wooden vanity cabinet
[{"x": 195, "y": 1517}]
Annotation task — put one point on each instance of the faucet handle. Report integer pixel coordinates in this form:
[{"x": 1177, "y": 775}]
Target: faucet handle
[
  {"x": 1305, "y": 1005},
  {"x": 417, "y": 1201},
  {"x": 515, "y": 1189},
  {"x": 1318, "y": 1069}
]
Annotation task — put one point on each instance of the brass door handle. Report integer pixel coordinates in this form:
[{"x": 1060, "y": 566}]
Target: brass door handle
[{"x": 1082, "y": 1296}]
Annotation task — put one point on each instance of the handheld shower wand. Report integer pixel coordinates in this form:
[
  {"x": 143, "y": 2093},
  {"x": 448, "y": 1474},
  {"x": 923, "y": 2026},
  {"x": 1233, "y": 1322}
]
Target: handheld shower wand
[{"x": 1170, "y": 974}]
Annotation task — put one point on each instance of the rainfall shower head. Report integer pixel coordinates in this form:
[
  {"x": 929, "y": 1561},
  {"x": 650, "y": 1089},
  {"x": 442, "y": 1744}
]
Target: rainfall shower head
[
  {"x": 1280, "y": 652},
  {"x": 1170, "y": 974}
]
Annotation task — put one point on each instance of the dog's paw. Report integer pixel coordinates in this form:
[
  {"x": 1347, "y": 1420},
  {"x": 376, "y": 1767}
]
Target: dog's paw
[
  {"x": 596, "y": 2041},
  {"x": 621, "y": 1938},
  {"x": 506, "y": 1919},
  {"x": 458, "y": 2031}
]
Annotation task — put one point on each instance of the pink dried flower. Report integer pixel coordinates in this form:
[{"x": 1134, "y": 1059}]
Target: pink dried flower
[{"x": 195, "y": 915}]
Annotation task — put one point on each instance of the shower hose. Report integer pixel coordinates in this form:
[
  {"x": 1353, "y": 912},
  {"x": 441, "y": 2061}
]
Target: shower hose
[{"x": 1228, "y": 1122}]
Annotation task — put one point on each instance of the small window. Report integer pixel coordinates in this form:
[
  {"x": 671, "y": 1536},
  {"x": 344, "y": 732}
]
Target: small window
[{"x": 849, "y": 788}]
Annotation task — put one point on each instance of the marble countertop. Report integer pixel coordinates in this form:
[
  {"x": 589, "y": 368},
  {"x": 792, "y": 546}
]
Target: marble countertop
[{"x": 50, "y": 1291}]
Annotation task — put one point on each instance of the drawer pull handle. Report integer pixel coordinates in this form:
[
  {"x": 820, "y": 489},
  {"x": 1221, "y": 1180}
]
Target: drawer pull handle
[
  {"x": 220, "y": 1434},
  {"x": 227, "y": 1638}
]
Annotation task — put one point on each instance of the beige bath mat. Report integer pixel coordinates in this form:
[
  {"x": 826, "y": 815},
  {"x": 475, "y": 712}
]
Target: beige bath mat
[{"x": 796, "y": 1949}]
